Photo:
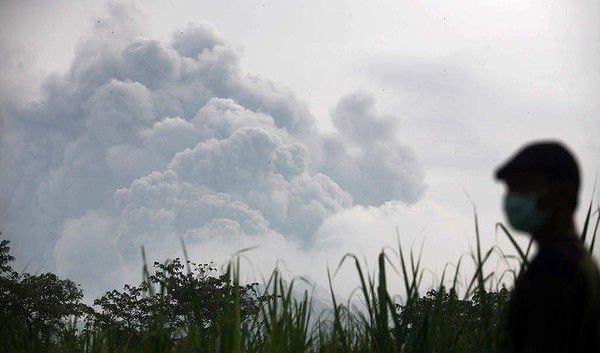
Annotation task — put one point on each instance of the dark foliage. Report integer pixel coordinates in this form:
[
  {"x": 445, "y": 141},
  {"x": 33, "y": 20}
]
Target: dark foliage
[
  {"x": 458, "y": 318},
  {"x": 192, "y": 307},
  {"x": 43, "y": 309},
  {"x": 188, "y": 297},
  {"x": 37, "y": 306}
]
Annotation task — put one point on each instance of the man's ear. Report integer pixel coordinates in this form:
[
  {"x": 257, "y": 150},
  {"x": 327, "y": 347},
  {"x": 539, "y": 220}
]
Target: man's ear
[
  {"x": 559, "y": 196},
  {"x": 553, "y": 198},
  {"x": 547, "y": 201}
]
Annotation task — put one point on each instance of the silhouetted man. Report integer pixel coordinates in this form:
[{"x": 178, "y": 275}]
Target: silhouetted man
[{"x": 555, "y": 306}]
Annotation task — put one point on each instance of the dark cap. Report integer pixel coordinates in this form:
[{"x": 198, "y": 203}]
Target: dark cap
[{"x": 549, "y": 158}]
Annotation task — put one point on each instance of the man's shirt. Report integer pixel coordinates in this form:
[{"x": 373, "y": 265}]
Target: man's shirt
[{"x": 555, "y": 305}]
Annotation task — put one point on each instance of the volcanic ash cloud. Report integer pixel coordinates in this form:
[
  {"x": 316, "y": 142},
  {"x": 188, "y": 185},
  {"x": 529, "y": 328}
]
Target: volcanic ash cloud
[{"x": 142, "y": 142}]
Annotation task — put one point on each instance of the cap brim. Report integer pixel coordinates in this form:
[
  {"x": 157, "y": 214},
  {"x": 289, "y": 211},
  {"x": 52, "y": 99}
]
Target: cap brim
[{"x": 508, "y": 168}]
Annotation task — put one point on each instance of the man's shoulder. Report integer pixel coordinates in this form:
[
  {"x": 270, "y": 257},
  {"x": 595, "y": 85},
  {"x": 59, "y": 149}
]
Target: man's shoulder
[
  {"x": 565, "y": 254},
  {"x": 568, "y": 265}
]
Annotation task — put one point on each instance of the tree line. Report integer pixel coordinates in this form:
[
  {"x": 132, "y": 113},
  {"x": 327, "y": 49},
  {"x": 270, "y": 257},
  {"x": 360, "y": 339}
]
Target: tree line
[
  {"x": 46, "y": 309},
  {"x": 186, "y": 306}
]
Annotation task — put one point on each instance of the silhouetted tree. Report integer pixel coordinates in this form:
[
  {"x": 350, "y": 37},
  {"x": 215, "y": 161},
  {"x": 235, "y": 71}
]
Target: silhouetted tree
[
  {"x": 41, "y": 305},
  {"x": 183, "y": 299},
  {"x": 5, "y": 257},
  {"x": 454, "y": 322}
]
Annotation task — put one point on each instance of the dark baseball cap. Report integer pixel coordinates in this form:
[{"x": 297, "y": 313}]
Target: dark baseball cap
[{"x": 549, "y": 158}]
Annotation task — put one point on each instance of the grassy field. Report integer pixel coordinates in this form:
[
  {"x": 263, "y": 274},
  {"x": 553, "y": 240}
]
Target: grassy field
[{"x": 448, "y": 318}]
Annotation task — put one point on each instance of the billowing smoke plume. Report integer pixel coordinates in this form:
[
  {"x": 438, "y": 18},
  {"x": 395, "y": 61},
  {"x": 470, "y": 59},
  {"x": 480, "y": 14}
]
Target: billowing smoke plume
[{"x": 143, "y": 142}]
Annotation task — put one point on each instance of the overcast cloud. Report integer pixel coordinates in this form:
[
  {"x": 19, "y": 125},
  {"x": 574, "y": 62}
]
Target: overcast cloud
[
  {"x": 155, "y": 128},
  {"x": 142, "y": 142}
]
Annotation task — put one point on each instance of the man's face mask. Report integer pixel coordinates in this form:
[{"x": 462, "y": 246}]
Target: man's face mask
[{"x": 522, "y": 212}]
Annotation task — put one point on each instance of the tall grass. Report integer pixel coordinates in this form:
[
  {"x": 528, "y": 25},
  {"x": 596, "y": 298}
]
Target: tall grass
[{"x": 453, "y": 316}]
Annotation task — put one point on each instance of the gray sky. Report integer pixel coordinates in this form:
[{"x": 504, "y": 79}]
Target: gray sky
[{"x": 462, "y": 85}]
